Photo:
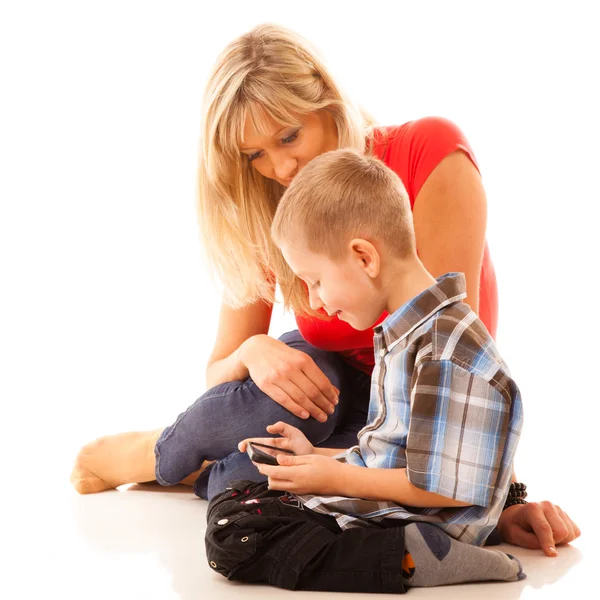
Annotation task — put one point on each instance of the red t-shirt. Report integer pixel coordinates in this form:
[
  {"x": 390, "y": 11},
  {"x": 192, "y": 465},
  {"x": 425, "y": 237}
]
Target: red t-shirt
[{"x": 412, "y": 151}]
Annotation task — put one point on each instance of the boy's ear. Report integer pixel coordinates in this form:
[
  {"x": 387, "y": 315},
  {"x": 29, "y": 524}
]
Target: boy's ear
[{"x": 367, "y": 255}]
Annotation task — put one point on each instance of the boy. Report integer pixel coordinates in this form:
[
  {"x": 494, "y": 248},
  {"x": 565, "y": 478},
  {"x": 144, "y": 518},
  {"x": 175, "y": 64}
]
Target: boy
[{"x": 411, "y": 503}]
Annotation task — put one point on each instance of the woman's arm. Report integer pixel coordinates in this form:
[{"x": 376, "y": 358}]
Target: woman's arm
[
  {"x": 236, "y": 326},
  {"x": 450, "y": 213},
  {"x": 450, "y": 218},
  {"x": 288, "y": 376}
]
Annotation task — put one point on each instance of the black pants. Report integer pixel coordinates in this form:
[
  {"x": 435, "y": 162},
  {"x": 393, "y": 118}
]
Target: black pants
[{"x": 260, "y": 536}]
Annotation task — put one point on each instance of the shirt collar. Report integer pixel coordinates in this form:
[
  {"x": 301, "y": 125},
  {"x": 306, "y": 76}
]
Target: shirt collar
[{"x": 449, "y": 289}]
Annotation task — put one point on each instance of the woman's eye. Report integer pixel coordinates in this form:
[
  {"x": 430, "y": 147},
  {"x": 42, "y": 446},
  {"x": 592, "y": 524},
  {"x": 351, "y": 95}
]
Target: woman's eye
[
  {"x": 252, "y": 157},
  {"x": 290, "y": 138}
]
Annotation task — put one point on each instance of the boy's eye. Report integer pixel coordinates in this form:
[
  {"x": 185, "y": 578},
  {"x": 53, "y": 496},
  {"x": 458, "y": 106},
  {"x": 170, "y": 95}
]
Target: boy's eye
[{"x": 290, "y": 138}]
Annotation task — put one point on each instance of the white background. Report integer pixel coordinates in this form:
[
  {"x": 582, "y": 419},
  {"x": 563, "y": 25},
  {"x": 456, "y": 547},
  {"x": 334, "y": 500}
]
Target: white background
[{"x": 108, "y": 314}]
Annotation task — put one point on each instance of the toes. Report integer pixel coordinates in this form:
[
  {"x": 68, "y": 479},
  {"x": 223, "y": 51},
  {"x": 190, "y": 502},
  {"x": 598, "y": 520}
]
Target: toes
[
  {"x": 87, "y": 483},
  {"x": 90, "y": 485}
]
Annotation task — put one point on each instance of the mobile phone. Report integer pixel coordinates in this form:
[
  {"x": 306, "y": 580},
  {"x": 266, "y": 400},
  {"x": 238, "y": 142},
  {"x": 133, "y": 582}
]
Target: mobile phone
[{"x": 267, "y": 458}]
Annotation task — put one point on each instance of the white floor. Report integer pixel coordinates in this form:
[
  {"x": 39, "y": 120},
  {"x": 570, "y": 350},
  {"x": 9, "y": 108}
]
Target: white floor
[{"x": 147, "y": 542}]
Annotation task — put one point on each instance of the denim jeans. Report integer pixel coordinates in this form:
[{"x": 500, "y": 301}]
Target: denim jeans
[{"x": 211, "y": 428}]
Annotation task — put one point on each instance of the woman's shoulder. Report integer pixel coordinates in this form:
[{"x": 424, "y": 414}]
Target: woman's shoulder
[
  {"x": 413, "y": 149},
  {"x": 432, "y": 130}
]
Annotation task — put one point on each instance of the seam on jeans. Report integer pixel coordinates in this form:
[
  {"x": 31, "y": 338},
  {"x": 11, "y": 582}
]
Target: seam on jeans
[
  {"x": 229, "y": 457},
  {"x": 157, "y": 474},
  {"x": 293, "y": 554}
]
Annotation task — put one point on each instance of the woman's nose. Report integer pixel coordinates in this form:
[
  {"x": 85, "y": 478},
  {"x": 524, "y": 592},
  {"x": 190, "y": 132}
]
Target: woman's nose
[
  {"x": 314, "y": 300},
  {"x": 285, "y": 168}
]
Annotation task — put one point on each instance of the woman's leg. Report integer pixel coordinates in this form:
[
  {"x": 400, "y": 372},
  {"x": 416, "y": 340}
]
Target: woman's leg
[
  {"x": 354, "y": 389},
  {"x": 213, "y": 426},
  {"x": 210, "y": 429}
]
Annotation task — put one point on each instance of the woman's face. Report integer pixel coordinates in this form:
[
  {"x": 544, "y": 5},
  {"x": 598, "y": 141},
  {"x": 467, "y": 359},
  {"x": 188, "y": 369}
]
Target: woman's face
[{"x": 284, "y": 151}]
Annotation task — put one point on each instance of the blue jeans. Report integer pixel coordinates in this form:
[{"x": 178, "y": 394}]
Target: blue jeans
[{"x": 212, "y": 427}]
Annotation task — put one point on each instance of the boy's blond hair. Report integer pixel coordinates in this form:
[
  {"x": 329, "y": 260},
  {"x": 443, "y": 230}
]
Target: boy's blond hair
[{"x": 342, "y": 195}]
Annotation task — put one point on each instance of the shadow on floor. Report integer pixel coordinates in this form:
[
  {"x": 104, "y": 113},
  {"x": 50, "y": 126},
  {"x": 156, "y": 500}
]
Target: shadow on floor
[{"x": 170, "y": 522}]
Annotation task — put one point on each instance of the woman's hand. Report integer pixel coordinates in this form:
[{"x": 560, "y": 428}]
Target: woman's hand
[
  {"x": 312, "y": 474},
  {"x": 292, "y": 439},
  {"x": 537, "y": 525},
  {"x": 290, "y": 377}
]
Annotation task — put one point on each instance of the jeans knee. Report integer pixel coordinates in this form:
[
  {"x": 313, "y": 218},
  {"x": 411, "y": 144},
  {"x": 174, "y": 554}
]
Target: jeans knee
[{"x": 314, "y": 430}]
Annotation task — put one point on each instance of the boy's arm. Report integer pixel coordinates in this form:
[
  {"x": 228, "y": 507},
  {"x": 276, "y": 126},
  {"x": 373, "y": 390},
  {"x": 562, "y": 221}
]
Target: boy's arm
[
  {"x": 390, "y": 484},
  {"x": 324, "y": 475},
  {"x": 384, "y": 484},
  {"x": 328, "y": 451}
]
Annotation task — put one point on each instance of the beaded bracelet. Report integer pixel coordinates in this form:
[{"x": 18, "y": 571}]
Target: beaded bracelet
[{"x": 516, "y": 495}]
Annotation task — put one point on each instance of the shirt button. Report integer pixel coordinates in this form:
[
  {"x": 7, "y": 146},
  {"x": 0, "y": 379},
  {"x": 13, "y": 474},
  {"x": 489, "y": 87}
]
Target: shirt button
[
  {"x": 223, "y": 522},
  {"x": 382, "y": 352}
]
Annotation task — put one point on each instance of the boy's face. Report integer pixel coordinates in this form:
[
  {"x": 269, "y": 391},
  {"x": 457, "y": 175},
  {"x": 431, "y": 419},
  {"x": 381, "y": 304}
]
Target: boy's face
[{"x": 341, "y": 288}]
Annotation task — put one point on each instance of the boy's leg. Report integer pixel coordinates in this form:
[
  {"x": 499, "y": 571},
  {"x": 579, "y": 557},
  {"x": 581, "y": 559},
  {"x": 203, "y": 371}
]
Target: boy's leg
[
  {"x": 259, "y": 536},
  {"x": 441, "y": 560},
  {"x": 391, "y": 560}
]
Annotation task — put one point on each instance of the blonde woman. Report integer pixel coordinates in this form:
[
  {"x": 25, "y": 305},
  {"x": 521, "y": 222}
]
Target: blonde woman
[{"x": 271, "y": 106}]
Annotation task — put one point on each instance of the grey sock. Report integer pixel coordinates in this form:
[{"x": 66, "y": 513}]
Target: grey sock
[{"x": 441, "y": 560}]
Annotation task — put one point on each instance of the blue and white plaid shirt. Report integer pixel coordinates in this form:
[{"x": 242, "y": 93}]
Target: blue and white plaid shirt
[{"x": 443, "y": 406}]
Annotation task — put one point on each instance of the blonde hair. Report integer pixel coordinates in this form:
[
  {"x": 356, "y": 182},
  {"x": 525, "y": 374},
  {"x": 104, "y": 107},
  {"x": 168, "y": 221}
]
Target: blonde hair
[
  {"x": 270, "y": 73},
  {"x": 342, "y": 195}
]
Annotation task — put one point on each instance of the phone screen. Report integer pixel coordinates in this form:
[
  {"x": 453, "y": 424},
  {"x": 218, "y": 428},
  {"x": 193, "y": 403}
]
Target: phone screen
[
  {"x": 265, "y": 453},
  {"x": 272, "y": 450}
]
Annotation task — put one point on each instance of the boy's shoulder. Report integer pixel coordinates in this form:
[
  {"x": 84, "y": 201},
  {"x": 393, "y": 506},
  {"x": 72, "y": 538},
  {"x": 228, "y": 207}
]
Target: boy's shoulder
[{"x": 456, "y": 334}]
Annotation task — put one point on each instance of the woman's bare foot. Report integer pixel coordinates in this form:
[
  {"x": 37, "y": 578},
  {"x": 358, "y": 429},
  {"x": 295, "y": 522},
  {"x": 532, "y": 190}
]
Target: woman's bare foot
[{"x": 111, "y": 461}]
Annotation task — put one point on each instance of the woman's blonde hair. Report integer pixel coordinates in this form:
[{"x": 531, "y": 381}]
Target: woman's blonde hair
[
  {"x": 330, "y": 202},
  {"x": 270, "y": 73}
]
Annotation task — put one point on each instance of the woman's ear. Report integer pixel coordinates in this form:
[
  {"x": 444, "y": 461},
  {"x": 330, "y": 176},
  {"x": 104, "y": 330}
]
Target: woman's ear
[{"x": 367, "y": 257}]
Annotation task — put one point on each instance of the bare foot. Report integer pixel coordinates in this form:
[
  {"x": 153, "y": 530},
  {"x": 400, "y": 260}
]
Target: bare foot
[{"x": 111, "y": 461}]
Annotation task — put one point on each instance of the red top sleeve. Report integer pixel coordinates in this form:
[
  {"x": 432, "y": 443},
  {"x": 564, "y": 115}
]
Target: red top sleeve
[
  {"x": 412, "y": 151},
  {"x": 415, "y": 149}
]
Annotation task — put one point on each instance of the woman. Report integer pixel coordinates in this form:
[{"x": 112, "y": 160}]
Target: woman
[{"x": 270, "y": 107}]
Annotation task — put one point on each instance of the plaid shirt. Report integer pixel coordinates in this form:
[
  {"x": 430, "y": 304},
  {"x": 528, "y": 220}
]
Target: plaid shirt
[{"x": 443, "y": 406}]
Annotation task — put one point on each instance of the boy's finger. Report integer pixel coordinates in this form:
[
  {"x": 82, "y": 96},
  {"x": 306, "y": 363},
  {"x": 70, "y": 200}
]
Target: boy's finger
[
  {"x": 276, "y": 427},
  {"x": 284, "y": 429},
  {"x": 279, "y": 484},
  {"x": 288, "y": 460},
  {"x": 277, "y": 472}
]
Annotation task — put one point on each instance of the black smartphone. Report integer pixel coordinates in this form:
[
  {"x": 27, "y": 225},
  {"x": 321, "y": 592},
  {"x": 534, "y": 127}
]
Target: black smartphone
[{"x": 267, "y": 456}]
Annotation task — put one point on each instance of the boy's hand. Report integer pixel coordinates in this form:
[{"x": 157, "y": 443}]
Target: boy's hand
[
  {"x": 292, "y": 439},
  {"x": 312, "y": 474}
]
